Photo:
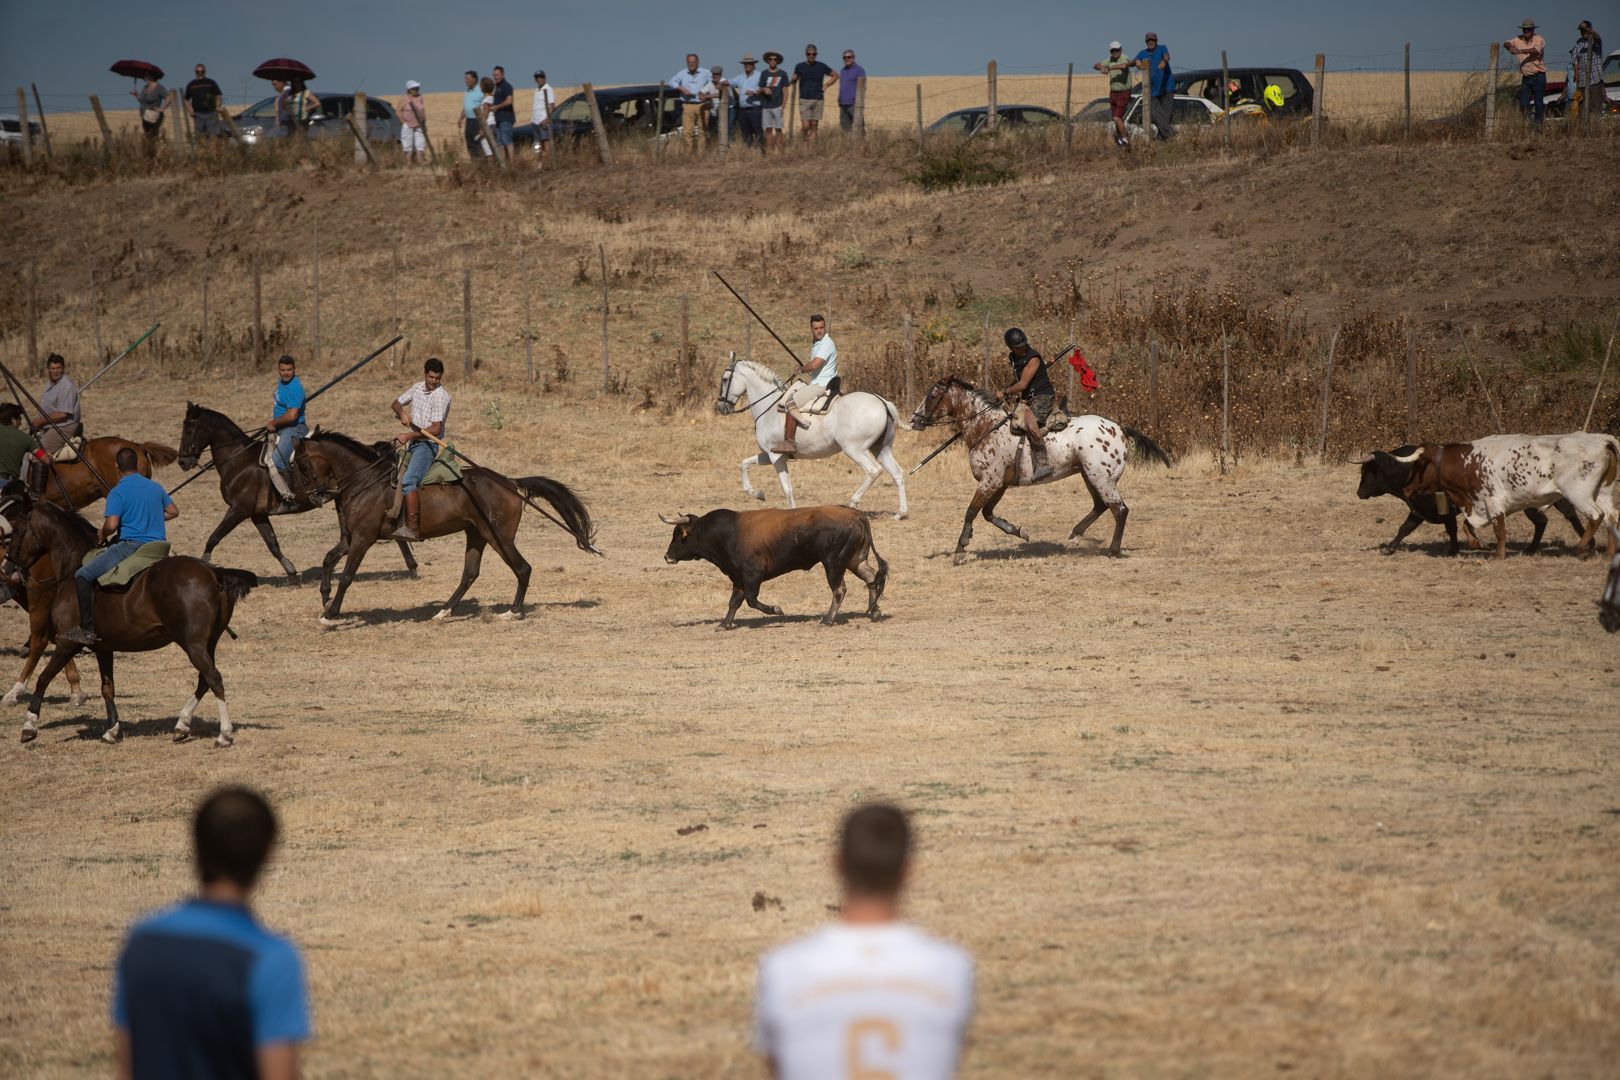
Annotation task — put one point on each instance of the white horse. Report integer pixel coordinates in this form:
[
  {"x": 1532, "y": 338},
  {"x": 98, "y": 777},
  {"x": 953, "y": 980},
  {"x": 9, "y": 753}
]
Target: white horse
[{"x": 861, "y": 425}]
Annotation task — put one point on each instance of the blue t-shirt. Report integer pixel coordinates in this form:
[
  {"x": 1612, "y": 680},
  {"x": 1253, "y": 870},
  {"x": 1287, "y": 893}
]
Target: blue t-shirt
[
  {"x": 1163, "y": 80},
  {"x": 812, "y": 76},
  {"x": 138, "y": 502},
  {"x": 289, "y": 398},
  {"x": 201, "y": 987},
  {"x": 470, "y": 101}
]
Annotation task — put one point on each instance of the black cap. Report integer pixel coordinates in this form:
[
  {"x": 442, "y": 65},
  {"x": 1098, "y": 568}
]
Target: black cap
[
  {"x": 539, "y": 74},
  {"x": 1014, "y": 338}
]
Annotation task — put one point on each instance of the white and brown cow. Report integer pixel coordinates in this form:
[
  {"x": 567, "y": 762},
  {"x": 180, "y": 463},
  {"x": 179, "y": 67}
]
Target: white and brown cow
[{"x": 1498, "y": 475}]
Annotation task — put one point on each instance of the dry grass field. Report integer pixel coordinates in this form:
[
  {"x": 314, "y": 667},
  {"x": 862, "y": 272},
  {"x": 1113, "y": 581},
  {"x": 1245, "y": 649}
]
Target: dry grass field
[
  {"x": 1250, "y": 799},
  {"x": 891, "y": 100}
]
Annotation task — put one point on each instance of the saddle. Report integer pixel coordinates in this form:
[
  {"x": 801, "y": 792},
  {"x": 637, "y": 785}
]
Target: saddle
[
  {"x": 268, "y": 454},
  {"x": 66, "y": 452},
  {"x": 446, "y": 469},
  {"x": 1056, "y": 421},
  {"x": 141, "y": 559}
]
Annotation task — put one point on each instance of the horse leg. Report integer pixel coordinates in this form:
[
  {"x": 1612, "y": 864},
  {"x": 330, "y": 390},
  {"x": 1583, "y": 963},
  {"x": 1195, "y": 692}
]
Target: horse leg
[
  {"x": 58, "y": 661},
  {"x": 201, "y": 655},
  {"x": 357, "y": 553},
  {"x": 506, "y": 548},
  {"x": 75, "y": 688},
  {"x": 182, "y": 723},
  {"x": 410, "y": 560},
  {"x": 1001, "y": 523},
  {"x": 262, "y": 523},
  {"x": 886, "y": 459},
  {"x": 761, "y": 458},
  {"x": 469, "y": 571},
  {"x": 340, "y": 549},
  {"x": 868, "y": 465},
  {"x": 787, "y": 484},
  {"x": 104, "y": 660},
  {"x": 974, "y": 506},
  {"x": 1101, "y": 483},
  {"x": 1097, "y": 508},
  {"x": 226, "y": 525}
]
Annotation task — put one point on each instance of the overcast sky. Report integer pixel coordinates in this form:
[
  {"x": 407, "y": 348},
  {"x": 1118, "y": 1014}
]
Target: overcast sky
[{"x": 66, "y": 46}]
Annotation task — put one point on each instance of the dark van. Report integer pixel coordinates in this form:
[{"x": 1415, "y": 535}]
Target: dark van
[{"x": 1298, "y": 96}]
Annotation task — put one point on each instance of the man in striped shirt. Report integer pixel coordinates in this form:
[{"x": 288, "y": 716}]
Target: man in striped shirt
[{"x": 424, "y": 410}]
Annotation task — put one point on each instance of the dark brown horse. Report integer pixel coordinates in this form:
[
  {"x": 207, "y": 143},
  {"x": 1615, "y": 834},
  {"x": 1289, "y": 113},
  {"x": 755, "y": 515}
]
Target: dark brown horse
[
  {"x": 484, "y": 506},
  {"x": 86, "y": 479},
  {"x": 181, "y": 601},
  {"x": 37, "y": 604},
  {"x": 244, "y": 482}
]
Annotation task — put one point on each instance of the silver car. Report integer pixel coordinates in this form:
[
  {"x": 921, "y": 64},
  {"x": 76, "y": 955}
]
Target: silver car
[{"x": 257, "y": 123}]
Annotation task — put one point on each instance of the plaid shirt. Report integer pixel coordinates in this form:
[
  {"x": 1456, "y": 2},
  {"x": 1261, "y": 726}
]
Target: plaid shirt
[
  {"x": 1587, "y": 57},
  {"x": 428, "y": 408}
]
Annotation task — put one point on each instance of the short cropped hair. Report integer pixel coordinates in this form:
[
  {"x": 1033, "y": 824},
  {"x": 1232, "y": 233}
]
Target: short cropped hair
[
  {"x": 434, "y": 364},
  {"x": 818, "y": 318},
  {"x": 10, "y": 412},
  {"x": 55, "y": 358},
  {"x": 874, "y": 847},
  {"x": 232, "y": 835},
  {"x": 126, "y": 460},
  {"x": 473, "y": 73},
  {"x": 285, "y": 359}
]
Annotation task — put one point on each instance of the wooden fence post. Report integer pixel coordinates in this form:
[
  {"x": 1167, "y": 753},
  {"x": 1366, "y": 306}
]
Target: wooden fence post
[
  {"x": 1411, "y": 382},
  {"x": 106, "y": 132},
  {"x": 1153, "y": 385},
  {"x": 658, "y": 123},
  {"x": 1226, "y": 400},
  {"x": 1147, "y": 105},
  {"x": 44, "y": 128},
  {"x": 860, "y": 109},
  {"x": 31, "y": 318},
  {"x": 1316, "y": 105},
  {"x": 603, "y": 150},
  {"x": 601, "y": 254},
  {"x": 466, "y": 324},
  {"x": 204, "y": 342},
  {"x": 1327, "y": 387},
  {"x": 95, "y": 317},
  {"x": 258, "y": 312},
  {"x": 1068, "y": 109},
  {"x": 722, "y": 122},
  {"x": 26, "y": 133},
  {"x": 177, "y": 130},
  {"x": 365, "y": 146},
  {"x": 1469, "y": 356},
  {"x": 1490, "y": 90},
  {"x": 990, "y": 73},
  {"x": 1226, "y": 122},
  {"x": 984, "y": 367},
  {"x": 905, "y": 329},
  {"x": 358, "y": 113},
  {"x": 683, "y": 367},
  {"x": 1407, "y": 77},
  {"x": 919, "y": 117},
  {"x": 315, "y": 289},
  {"x": 528, "y": 321},
  {"x": 792, "y": 111}
]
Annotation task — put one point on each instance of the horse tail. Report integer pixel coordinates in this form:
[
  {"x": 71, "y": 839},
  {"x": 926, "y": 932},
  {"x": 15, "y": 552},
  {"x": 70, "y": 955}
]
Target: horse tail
[
  {"x": 235, "y": 584},
  {"x": 159, "y": 455},
  {"x": 1145, "y": 446},
  {"x": 887, "y": 438},
  {"x": 570, "y": 508}
]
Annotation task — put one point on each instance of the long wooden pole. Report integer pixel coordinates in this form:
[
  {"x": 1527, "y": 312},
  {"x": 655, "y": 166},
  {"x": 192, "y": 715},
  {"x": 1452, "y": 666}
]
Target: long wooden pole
[
  {"x": 984, "y": 366},
  {"x": 911, "y": 347},
  {"x": 258, "y": 312},
  {"x": 44, "y": 128},
  {"x": 1411, "y": 382},
  {"x": 1068, "y": 118},
  {"x": 683, "y": 366},
  {"x": 1153, "y": 385},
  {"x": 95, "y": 316},
  {"x": 1469, "y": 356},
  {"x": 466, "y": 324},
  {"x": 204, "y": 342},
  {"x": 1587, "y": 423},
  {"x": 31, "y": 317},
  {"x": 1316, "y": 104},
  {"x": 1327, "y": 391},
  {"x": 601, "y": 254},
  {"x": 1226, "y": 400},
  {"x": 315, "y": 288},
  {"x": 528, "y": 318}
]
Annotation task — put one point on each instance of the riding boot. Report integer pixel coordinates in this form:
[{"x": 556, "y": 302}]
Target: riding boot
[
  {"x": 787, "y": 445},
  {"x": 413, "y": 518},
  {"x": 286, "y": 502},
  {"x": 85, "y": 632},
  {"x": 1040, "y": 467}
]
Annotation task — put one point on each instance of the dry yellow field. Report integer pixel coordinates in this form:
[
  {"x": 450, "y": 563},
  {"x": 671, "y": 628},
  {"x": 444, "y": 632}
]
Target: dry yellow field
[
  {"x": 1252, "y": 798},
  {"x": 891, "y": 100}
]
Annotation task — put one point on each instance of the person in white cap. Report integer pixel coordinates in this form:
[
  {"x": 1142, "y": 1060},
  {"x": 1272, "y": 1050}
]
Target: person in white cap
[
  {"x": 1118, "y": 70},
  {"x": 413, "y": 122}
]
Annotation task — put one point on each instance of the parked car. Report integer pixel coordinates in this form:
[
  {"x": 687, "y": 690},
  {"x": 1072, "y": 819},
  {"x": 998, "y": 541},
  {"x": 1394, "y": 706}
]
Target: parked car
[
  {"x": 11, "y": 129},
  {"x": 1472, "y": 115},
  {"x": 974, "y": 121},
  {"x": 625, "y": 110},
  {"x": 257, "y": 123},
  {"x": 1298, "y": 96},
  {"x": 1190, "y": 112}
]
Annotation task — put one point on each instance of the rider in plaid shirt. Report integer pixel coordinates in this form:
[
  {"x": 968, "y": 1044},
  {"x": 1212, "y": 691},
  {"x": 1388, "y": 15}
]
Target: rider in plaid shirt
[{"x": 428, "y": 405}]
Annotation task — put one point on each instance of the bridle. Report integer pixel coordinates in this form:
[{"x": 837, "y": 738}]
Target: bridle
[
  {"x": 932, "y": 403},
  {"x": 726, "y": 404},
  {"x": 12, "y": 565}
]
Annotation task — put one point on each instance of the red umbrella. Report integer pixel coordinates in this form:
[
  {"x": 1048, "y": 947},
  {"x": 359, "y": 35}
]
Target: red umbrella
[
  {"x": 283, "y": 68},
  {"x": 137, "y": 69}
]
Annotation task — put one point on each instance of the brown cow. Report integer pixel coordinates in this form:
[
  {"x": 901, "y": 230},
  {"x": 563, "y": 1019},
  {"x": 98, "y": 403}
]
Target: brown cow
[{"x": 753, "y": 546}]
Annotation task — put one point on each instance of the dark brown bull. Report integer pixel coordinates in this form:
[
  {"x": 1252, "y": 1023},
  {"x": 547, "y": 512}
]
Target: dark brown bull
[{"x": 752, "y": 546}]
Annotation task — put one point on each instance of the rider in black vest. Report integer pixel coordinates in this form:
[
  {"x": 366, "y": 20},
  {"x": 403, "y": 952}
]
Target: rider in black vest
[{"x": 1033, "y": 390}]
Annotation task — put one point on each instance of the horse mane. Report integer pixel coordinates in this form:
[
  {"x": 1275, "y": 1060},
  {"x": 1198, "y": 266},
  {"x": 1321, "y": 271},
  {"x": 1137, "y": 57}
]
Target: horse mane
[
  {"x": 230, "y": 425},
  {"x": 762, "y": 371},
  {"x": 370, "y": 452},
  {"x": 71, "y": 520},
  {"x": 984, "y": 398}
]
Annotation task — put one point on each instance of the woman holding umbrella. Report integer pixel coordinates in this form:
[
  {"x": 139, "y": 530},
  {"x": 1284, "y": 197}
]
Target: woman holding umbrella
[
  {"x": 152, "y": 97},
  {"x": 295, "y": 104}
]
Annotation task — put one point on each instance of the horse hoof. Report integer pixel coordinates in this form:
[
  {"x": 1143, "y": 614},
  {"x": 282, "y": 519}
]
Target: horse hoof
[
  {"x": 510, "y": 616},
  {"x": 29, "y": 734},
  {"x": 223, "y": 741},
  {"x": 760, "y": 495},
  {"x": 324, "y": 621},
  {"x": 76, "y": 698},
  {"x": 182, "y": 735},
  {"x": 10, "y": 699},
  {"x": 111, "y": 736},
  {"x": 901, "y": 515},
  {"x": 961, "y": 557},
  {"x": 1023, "y": 535},
  {"x": 441, "y": 614}
]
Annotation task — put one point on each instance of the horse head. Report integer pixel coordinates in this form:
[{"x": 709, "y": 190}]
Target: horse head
[
  {"x": 937, "y": 404},
  {"x": 726, "y": 403},
  {"x": 191, "y": 443}
]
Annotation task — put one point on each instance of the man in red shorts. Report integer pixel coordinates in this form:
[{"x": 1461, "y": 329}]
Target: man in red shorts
[{"x": 1118, "y": 69}]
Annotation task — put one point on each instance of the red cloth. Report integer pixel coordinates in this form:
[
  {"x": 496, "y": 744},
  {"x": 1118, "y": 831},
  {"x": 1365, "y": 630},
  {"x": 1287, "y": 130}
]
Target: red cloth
[{"x": 1088, "y": 378}]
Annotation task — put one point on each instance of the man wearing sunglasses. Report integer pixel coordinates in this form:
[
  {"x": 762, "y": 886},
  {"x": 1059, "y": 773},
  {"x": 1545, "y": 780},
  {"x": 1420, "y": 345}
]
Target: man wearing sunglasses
[
  {"x": 813, "y": 78},
  {"x": 849, "y": 77}
]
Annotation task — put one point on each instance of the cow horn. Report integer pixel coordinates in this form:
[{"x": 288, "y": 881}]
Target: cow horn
[
  {"x": 1407, "y": 459},
  {"x": 1362, "y": 460},
  {"x": 678, "y": 519}
]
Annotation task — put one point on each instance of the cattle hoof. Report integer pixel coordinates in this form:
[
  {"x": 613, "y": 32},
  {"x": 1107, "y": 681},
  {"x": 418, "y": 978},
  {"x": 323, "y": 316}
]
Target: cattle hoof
[
  {"x": 224, "y": 741},
  {"x": 959, "y": 558},
  {"x": 829, "y": 622},
  {"x": 29, "y": 734},
  {"x": 441, "y": 614}
]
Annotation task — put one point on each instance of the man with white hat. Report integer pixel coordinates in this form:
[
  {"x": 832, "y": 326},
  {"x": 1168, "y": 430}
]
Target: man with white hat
[
  {"x": 750, "y": 102},
  {"x": 1118, "y": 70},
  {"x": 1530, "y": 48},
  {"x": 413, "y": 122}
]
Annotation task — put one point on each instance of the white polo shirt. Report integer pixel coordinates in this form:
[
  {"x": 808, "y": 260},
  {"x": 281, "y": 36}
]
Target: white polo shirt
[
  {"x": 825, "y": 350},
  {"x": 885, "y": 1000}
]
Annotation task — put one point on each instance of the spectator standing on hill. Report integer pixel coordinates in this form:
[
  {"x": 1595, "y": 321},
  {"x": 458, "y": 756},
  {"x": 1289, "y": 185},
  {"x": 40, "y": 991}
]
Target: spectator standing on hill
[
  {"x": 504, "y": 111},
  {"x": 413, "y": 122},
  {"x": 486, "y": 110},
  {"x": 202, "y": 102},
  {"x": 1118, "y": 70},
  {"x": 773, "y": 93},
  {"x": 849, "y": 77},
  {"x": 283, "y": 122},
  {"x": 868, "y": 996},
  {"x": 719, "y": 98},
  {"x": 1587, "y": 60},
  {"x": 60, "y": 402},
  {"x": 750, "y": 102},
  {"x": 545, "y": 100},
  {"x": 813, "y": 78},
  {"x": 1161, "y": 84},
  {"x": 1530, "y": 48},
  {"x": 694, "y": 87},
  {"x": 470, "y": 102},
  {"x": 202, "y": 990},
  {"x": 302, "y": 104},
  {"x": 154, "y": 102}
]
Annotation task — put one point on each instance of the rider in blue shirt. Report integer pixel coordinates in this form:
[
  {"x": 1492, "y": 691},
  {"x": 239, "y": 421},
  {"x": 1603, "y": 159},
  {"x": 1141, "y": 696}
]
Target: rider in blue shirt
[
  {"x": 137, "y": 508},
  {"x": 202, "y": 989},
  {"x": 289, "y": 426}
]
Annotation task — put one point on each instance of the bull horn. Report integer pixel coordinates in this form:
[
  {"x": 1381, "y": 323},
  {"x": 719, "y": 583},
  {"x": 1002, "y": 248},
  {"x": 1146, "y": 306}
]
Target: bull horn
[
  {"x": 678, "y": 519},
  {"x": 1407, "y": 459},
  {"x": 1362, "y": 460}
]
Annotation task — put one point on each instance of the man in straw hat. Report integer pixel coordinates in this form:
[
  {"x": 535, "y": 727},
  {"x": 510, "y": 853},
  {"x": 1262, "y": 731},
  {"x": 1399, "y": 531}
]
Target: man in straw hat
[
  {"x": 1529, "y": 47},
  {"x": 750, "y": 102},
  {"x": 773, "y": 92}
]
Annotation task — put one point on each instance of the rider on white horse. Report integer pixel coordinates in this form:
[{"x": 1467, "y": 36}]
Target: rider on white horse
[
  {"x": 1033, "y": 390},
  {"x": 823, "y": 372}
]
